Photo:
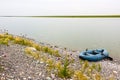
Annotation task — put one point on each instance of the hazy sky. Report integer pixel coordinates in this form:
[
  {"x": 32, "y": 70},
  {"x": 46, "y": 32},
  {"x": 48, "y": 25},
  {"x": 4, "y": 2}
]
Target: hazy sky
[{"x": 58, "y": 7}]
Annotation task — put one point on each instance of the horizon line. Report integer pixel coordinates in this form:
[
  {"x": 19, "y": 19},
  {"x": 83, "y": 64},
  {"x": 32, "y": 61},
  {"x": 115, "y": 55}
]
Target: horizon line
[{"x": 72, "y": 16}]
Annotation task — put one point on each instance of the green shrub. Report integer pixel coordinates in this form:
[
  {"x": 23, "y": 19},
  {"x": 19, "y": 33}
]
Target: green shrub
[
  {"x": 64, "y": 71},
  {"x": 78, "y": 75},
  {"x": 98, "y": 77},
  {"x": 56, "y": 53},
  {"x": 32, "y": 52},
  {"x": 45, "y": 49},
  {"x": 85, "y": 65},
  {"x": 36, "y": 46},
  {"x": 50, "y": 64},
  {"x": 18, "y": 40},
  {"x": 4, "y": 41}
]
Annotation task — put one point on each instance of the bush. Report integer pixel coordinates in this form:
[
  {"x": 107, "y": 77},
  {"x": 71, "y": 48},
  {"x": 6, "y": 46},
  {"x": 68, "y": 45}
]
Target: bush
[
  {"x": 32, "y": 52},
  {"x": 63, "y": 70},
  {"x": 78, "y": 75}
]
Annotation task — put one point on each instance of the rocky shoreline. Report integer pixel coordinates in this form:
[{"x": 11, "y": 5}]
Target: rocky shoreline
[{"x": 18, "y": 66}]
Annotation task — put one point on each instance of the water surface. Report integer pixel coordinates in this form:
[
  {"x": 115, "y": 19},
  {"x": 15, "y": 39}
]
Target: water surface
[{"x": 73, "y": 33}]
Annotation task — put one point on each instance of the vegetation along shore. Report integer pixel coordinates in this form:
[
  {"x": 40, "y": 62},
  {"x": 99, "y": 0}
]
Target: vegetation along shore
[{"x": 22, "y": 58}]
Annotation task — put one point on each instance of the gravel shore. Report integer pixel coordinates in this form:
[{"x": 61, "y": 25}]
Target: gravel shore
[{"x": 18, "y": 66}]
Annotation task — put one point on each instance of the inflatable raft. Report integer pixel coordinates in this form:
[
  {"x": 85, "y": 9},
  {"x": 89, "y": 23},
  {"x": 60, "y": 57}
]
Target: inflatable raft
[{"x": 94, "y": 55}]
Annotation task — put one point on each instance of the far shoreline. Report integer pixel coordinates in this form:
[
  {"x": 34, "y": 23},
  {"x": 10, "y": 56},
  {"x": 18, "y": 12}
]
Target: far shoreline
[{"x": 70, "y": 16}]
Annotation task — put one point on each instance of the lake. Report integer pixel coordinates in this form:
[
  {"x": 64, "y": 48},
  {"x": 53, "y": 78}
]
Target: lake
[{"x": 73, "y": 33}]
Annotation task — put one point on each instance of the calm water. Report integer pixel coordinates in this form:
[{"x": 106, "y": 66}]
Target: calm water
[{"x": 76, "y": 33}]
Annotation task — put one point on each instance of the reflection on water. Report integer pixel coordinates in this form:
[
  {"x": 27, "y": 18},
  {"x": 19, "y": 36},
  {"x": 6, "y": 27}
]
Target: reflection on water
[{"x": 77, "y": 33}]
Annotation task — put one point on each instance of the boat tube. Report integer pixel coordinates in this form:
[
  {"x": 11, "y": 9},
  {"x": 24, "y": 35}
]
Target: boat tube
[{"x": 94, "y": 55}]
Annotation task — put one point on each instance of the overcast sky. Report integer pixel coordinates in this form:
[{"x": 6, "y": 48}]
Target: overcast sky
[{"x": 58, "y": 7}]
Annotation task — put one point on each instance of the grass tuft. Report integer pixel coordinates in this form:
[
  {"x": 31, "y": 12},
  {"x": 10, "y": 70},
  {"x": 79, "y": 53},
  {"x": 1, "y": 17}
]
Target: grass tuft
[{"x": 78, "y": 75}]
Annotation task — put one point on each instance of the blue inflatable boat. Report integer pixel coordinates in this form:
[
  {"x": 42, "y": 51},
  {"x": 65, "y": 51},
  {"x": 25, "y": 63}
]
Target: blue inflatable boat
[{"x": 94, "y": 55}]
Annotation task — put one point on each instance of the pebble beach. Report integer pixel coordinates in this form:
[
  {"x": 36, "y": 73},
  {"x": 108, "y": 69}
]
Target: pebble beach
[{"x": 18, "y": 66}]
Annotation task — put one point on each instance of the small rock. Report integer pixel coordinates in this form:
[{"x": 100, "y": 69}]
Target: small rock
[
  {"x": 18, "y": 79},
  {"x": 11, "y": 77},
  {"x": 29, "y": 78},
  {"x": 16, "y": 66},
  {"x": 24, "y": 79},
  {"x": 115, "y": 72},
  {"x": 53, "y": 76},
  {"x": 74, "y": 64},
  {"x": 48, "y": 78},
  {"x": 21, "y": 73},
  {"x": 37, "y": 62},
  {"x": 56, "y": 46},
  {"x": 43, "y": 76},
  {"x": 3, "y": 74},
  {"x": 41, "y": 62},
  {"x": 2, "y": 78},
  {"x": 109, "y": 63},
  {"x": 40, "y": 74}
]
